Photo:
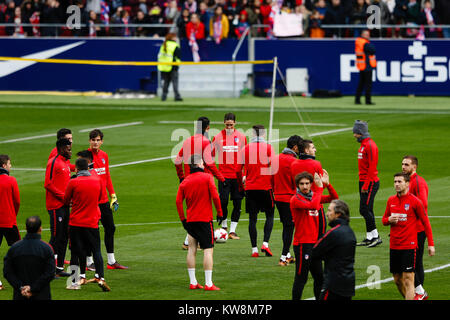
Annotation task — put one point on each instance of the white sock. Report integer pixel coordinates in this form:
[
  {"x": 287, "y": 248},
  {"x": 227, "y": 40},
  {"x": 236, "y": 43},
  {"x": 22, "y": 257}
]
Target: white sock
[
  {"x": 224, "y": 223},
  {"x": 288, "y": 255},
  {"x": 111, "y": 258},
  {"x": 266, "y": 244},
  {"x": 186, "y": 240},
  {"x": 208, "y": 278},
  {"x": 254, "y": 249},
  {"x": 83, "y": 275},
  {"x": 1, "y": 283},
  {"x": 283, "y": 258},
  {"x": 233, "y": 226},
  {"x": 375, "y": 233},
  {"x": 89, "y": 260},
  {"x": 369, "y": 236},
  {"x": 192, "y": 278},
  {"x": 420, "y": 289}
]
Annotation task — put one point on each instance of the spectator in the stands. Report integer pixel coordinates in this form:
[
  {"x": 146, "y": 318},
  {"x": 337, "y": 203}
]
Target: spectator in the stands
[
  {"x": 315, "y": 25},
  {"x": 171, "y": 12},
  {"x": 115, "y": 4},
  {"x": 51, "y": 13},
  {"x": 413, "y": 12},
  {"x": 92, "y": 22},
  {"x": 195, "y": 28},
  {"x": 301, "y": 9},
  {"x": 141, "y": 18},
  {"x": 205, "y": 14},
  {"x": 143, "y": 7},
  {"x": 155, "y": 17},
  {"x": 219, "y": 25},
  {"x": 191, "y": 5},
  {"x": 442, "y": 8},
  {"x": 335, "y": 14},
  {"x": 429, "y": 18},
  {"x": 125, "y": 30},
  {"x": 182, "y": 21},
  {"x": 359, "y": 15},
  {"x": 242, "y": 25},
  {"x": 18, "y": 30}
]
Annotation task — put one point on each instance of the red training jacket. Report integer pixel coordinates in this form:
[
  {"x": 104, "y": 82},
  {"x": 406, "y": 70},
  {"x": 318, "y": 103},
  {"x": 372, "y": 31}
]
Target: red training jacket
[
  {"x": 9, "y": 201},
  {"x": 367, "y": 162},
  {"x": 85, "y": 193},
  {"x": 198, "y": 189},
  {"x": 256, "y": 159},
  {"x": 283, "y": 188},
  {"x": 57, "y": 176},
  {"x": 305, "y": 214},
  {"x": 403, "y": 234},
  {"x": 197, "y": 144},
  {"x": 227, "y": 148},
  {"x": 309, "y": 165},
  {"x": 101, "y": 166},
  {"x": 418, "y": 187}
]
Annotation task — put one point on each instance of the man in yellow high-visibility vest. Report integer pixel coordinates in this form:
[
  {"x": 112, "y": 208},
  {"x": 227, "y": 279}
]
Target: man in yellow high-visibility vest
[
  {"x": 366, "y": 63},
  {"x": 169, "y": 52}
]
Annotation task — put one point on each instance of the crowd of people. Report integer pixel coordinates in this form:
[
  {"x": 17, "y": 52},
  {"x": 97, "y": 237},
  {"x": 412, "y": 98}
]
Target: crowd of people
[{"x": 219, "y": 19}]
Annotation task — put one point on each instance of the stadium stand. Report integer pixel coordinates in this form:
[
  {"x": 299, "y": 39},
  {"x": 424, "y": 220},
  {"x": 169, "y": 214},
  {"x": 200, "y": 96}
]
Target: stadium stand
[{"x": 319, "y": 18}]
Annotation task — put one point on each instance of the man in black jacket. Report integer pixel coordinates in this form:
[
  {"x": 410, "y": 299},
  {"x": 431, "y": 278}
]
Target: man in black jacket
[
  {"x": 337, "y": 249},
  {"x": 29, "y": 265}
]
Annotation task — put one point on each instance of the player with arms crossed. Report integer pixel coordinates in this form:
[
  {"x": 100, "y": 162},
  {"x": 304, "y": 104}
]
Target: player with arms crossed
[
  {"x": 403, "y": 210},
  {"x": 198, "y": 189}
]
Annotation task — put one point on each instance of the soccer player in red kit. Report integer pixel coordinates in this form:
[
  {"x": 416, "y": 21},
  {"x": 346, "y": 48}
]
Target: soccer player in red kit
[
  {"x": 307, "y": 162},
  {"x": 227, "y": 144},
  {"x": 9, "y": 204},
  {"x": 305, "y": 206},
  {"x": 197, "y": 144},
  {"x": 256, "y": 160},
  {"x": 283, "y": 190},
  {"x": 84, "y": 194},
  {"x": 403, "y": 210},
  {"x": 101, "y": 166},
  {"x": 198, "y": 189},
  {"x": 60, "y": 134},
  {"x": 57, "y": 176},
  {"x": 418, "y": 187},
  {"x": 369, "y": 183}
]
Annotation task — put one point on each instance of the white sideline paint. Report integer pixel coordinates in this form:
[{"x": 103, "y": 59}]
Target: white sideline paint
[
  {"x": 193, "y": 122},
  {"x": 84, "y": 130},
  {"x": 114, "y": 126},
  {"x": 171, "y": 157},
  {"x": 312, "y": 124}
]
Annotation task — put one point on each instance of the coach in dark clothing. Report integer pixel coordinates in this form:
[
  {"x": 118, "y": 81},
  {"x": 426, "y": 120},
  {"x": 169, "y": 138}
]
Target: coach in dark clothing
[
  {"x": 337, "y": 249},
  {"x": 29, "y": 265}
]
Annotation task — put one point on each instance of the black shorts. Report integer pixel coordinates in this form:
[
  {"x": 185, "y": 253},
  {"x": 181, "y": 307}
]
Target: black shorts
[
  {"x": 231, "y": 190},
  {"x": 402, "y": 260},
  {"x": 84, "y": 241},
  {"x": 11, "y": 235},
  {"x": 259, "y": 201},
  {"x": 203, "y": 232}
]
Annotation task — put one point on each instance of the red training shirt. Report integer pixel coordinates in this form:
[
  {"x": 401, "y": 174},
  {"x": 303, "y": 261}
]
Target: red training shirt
[
  {"x": 85, "y": 193},
  {"x": 101, "y": 167},
  {"x": 256, "y": 158},
  {"x": 227, "y": 147},
  {"x": 57, "y": 176},
  {"x": 197, "y": 144},
  {"x": 309, "y": 165},
  {"x": 283, "y": 189},
  {"x": 305, "y": 214},
  {"x": 198, "y": 189},
  {"x": 403, "y": 234},
  {"x": 418, "y": 187},
  {"x": 9, "y": 201},
  {"x": 367, "y": 162}
]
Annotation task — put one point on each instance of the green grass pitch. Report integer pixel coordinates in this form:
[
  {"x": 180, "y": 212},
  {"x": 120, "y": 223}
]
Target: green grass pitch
[{"x": 149, "y": 235}]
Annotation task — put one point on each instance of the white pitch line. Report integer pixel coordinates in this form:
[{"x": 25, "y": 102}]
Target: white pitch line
[
  {"x": 192, "y": 122},
  {"x": 84, "y": 130},
  {"x": 114, "y": 126},
  {"x": 171, "y": 157},
  {"x": 312, "y": 124}
]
